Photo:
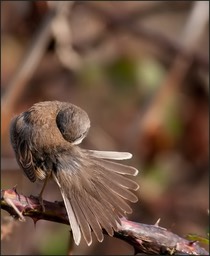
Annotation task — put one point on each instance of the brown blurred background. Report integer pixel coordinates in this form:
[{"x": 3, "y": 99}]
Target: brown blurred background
[{"x": 141, "y": 71}]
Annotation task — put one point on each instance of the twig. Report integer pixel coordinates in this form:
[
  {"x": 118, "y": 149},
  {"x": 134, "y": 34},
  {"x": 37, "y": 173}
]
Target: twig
[
  {"x": 149, "y": 239},
  {"x": 11, "y": 204}
]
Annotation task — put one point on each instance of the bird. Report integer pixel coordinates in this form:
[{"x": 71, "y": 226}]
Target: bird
[{"x": 95, "y": 189}]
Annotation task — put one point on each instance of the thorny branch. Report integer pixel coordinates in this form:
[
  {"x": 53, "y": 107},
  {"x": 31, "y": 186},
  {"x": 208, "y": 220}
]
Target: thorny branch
[{"x": 149, "y": 239}]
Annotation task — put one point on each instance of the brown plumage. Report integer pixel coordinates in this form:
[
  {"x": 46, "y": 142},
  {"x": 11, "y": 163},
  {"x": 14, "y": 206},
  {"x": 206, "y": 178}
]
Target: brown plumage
[{"x": 94, "y": 190}]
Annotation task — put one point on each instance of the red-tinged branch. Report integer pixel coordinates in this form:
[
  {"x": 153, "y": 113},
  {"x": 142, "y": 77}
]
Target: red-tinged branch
[{"x": 149, "y": 239}]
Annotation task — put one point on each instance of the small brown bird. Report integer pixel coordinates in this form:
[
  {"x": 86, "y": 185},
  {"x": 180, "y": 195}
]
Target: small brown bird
[{"x": 94, "y": 190}]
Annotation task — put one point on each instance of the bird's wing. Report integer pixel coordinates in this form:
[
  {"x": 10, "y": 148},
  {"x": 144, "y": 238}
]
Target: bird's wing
[
  {"x": 19, "y": 141},
  {"x": 95, "y": 196},
  {"x": 114, "y": 155},
  {"x": 100, "y": 156},
  {"x": 72, "y": 218}
]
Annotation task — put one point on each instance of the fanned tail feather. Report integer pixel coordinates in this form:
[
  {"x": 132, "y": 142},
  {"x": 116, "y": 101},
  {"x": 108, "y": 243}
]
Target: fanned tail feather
[
  {"x": 72, "y": 218},
  {"x": 116, "y": 167},
  {"x": 114, "y": 155},
  {"x": 95, "y": 192}
]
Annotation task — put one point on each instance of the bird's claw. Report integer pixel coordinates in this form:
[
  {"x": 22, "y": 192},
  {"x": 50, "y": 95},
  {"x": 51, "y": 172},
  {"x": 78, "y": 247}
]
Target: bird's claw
[{"x": 41, "y": 202}]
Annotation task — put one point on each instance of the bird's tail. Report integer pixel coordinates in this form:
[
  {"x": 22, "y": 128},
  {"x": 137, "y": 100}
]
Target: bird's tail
[{"x": 95, "y": 193}]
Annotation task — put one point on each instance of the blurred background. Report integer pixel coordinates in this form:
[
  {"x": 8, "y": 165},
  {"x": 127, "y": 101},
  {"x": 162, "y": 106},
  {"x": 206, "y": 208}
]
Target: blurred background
[{"x": 141, "y": 71}]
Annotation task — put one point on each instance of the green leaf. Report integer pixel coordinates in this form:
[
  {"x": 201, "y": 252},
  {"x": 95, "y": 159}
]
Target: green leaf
[{"x": 201, "y": 239}]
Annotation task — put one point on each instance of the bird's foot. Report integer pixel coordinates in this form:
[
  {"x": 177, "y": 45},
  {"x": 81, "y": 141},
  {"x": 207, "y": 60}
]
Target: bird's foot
[{"x": 41, "y": 202}]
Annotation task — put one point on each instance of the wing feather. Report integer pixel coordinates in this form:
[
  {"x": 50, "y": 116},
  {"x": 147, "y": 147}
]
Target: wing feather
[
  {"x": 94, "y": 195},
  {"x": 19, "y": 141},
  {"x": 100, "y": 213},
  {"x": 82, "y": 221},
  {"x": 121, "y": 180},
  {"x": 92, "y": 220},
  {"x": 124, "y": 193},
  {"x": 116, "y": 167},
  {"x": 114, "y": 155},
  {"x": 71, "y": 215},
  {"x": 121, "y": 206}
]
